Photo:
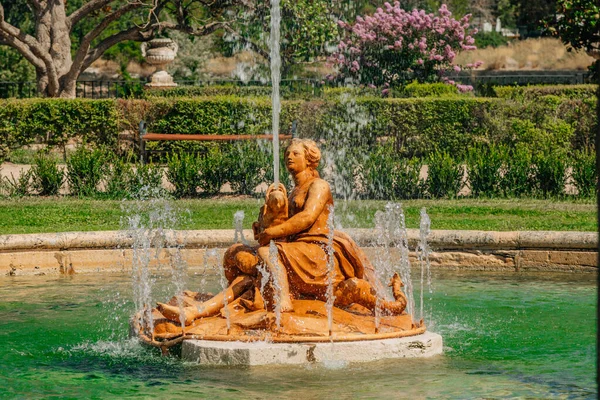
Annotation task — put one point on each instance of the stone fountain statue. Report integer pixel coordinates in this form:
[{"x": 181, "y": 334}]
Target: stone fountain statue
[{"x": 279, "y": 292}]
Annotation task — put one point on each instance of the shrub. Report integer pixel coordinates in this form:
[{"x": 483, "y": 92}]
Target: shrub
[
  {"x": 378, "y": 174},
  {"x": 85, "y": 169},
  {"x": 584, "y": 173},
  {"x": 146, "y": 182},
  {"x": 550, "y": 174},
  {"x": 387, "y": 176},
  {"x": 407, "y": 179},
  {"x": 517, "y": 179},
  {"x": 47, "y": 176},
  {"x": 118, "y": 176},
  {"x": 3, "y": 150},
  {"x": 246, "y": 164},
  {"x": 17, "y": 186},
  {"x": 484, "y": 165},
  {"x": 382, "y": 48},
  {"x": 439, "y": 89},
  {"x": 490, "y": 39},
  {"x": 214, "y": 170},
  {"x": 549, "y": 136},
  {"x": 444, "y": 176},
  {"x": 183, "y": 171},
  {"x": 342, "y": 165}
]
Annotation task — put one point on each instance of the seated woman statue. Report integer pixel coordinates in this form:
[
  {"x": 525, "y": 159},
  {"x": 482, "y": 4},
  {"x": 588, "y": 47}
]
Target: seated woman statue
[{"x": 301, "y": 239}]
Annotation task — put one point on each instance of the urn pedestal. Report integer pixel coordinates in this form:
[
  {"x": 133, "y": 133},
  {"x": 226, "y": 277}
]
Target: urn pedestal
[{"x": 160, "y": 52}]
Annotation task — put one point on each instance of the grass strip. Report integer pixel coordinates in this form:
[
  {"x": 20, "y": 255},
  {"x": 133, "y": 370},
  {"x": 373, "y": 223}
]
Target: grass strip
[{"x": 63, "y": 214}]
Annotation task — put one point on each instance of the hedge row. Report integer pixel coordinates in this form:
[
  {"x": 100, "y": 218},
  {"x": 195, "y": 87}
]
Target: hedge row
[
  {"x": 535, "y": 91},
  {"x": 418, "y": 126},
  {"x": 306, "y": 90},
  {"x": 55, "y": 122}
]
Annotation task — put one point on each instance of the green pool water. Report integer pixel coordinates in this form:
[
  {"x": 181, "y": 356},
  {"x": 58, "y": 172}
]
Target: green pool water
[{"x": 517, "y": 336}]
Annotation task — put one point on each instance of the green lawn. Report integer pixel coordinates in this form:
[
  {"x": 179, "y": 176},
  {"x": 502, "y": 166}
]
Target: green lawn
[{"x": 34, "y": 215}]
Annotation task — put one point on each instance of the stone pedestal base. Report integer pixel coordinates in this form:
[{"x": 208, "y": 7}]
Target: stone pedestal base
[
  {"x": 207, "y": 352},
  {"x": 161, "y": 80}
]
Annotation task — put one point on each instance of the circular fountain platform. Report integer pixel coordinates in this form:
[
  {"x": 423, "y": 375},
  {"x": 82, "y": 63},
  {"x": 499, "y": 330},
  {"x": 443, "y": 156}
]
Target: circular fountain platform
[{"x": 208, "y": 352}]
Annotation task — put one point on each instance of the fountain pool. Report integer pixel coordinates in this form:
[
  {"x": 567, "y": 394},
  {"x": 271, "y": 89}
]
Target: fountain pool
[{"x": 506, "y": 335}]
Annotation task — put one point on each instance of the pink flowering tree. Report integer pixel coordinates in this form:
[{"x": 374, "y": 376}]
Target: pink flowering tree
[{"x": 394, "y": 46}]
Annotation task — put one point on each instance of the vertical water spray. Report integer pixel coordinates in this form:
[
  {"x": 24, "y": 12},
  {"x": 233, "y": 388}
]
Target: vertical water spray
[
  {"x": 140, "y": 272},
  {"x": 275, "y": 80},
  {"x": 330, "y": 270},
  {"x": 149, "y": 221},
  {"x": 224, "y": 285},
  {"x": 273, "y": 259},
  {"x": 383, "y": 259},
  {"x": 179, "y": 278},
  {"x": 238, "y": 225},
  {"x": 423, "y": 254},
  {"x": 392, "y": 234},
  {"x": 402, "y": 243},
  {"x": 264, "y": 281}
]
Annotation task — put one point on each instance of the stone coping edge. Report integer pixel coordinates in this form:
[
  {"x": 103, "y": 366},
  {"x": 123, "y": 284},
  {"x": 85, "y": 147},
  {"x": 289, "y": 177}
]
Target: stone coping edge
[
  {"x": 211, "y": 353},
  {"x": 221, "y": 238}
]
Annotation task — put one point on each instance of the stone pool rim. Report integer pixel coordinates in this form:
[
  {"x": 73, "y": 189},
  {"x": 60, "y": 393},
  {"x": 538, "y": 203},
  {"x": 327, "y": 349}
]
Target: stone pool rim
[{"x": 67, "y": 252}]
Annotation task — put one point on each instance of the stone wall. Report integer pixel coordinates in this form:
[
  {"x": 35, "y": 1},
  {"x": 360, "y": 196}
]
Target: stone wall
[{"x": 89, "y": 252}]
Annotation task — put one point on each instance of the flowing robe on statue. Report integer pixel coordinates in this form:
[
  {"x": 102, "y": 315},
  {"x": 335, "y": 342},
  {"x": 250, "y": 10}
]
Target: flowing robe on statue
[{"x": 305, "y": 259}]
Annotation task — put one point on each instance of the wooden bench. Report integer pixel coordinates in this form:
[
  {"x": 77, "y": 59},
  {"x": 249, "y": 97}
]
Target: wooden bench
[{"x": 147, "y": 136}]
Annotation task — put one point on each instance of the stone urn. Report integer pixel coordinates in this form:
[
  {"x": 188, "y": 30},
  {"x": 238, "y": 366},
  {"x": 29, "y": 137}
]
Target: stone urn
[{"x": 160, "y": 52}]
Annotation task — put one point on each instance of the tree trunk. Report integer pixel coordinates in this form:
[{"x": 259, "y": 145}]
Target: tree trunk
[{"x": 52, "y": 33}]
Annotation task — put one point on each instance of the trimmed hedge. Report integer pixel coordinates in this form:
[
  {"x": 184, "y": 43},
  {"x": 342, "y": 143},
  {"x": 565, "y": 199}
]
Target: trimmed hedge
[
  {"x": 227, "y": 115},
  {"x": 413, "y": 89},
  {"x": 531, "y": 92},
  {"x": 350, "y": 131},
  {"x": 419, "y": 126},
  {"x": 56, "y": 121},
  {"x": 298, "y": 91}
]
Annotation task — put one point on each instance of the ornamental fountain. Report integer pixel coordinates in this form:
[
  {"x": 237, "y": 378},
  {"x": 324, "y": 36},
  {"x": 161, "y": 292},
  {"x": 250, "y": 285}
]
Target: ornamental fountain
[{"x": 305, "y": 292}]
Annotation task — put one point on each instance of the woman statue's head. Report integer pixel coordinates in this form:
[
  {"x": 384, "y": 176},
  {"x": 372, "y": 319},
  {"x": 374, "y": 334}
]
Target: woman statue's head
[{"x": 302, "y": 154}]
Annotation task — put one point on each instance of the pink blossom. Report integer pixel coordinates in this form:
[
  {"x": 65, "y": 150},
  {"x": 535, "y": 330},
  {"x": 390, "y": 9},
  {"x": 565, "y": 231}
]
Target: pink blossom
[{"x": 424, "y": 36}]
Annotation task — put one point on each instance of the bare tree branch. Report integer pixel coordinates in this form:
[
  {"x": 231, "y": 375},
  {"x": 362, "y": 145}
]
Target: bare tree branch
[
  {"x": 87, "y": 40},
  {"x": 22, "y": 49},
  {"x": 85, "y": 9},
  {"x": 199, "y": 31},
  {"x": 27, "y": 45},
  {"x": 129, "y": 34},
  {"x": 35, "y": 4}
]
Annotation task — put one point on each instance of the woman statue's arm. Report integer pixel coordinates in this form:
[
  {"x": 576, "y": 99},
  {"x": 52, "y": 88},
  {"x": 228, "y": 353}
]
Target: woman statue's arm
[{"x": 316, "y": 200}]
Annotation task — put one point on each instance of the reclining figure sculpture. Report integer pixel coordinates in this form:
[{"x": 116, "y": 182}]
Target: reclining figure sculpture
[{"x": 298, "y": 226}]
